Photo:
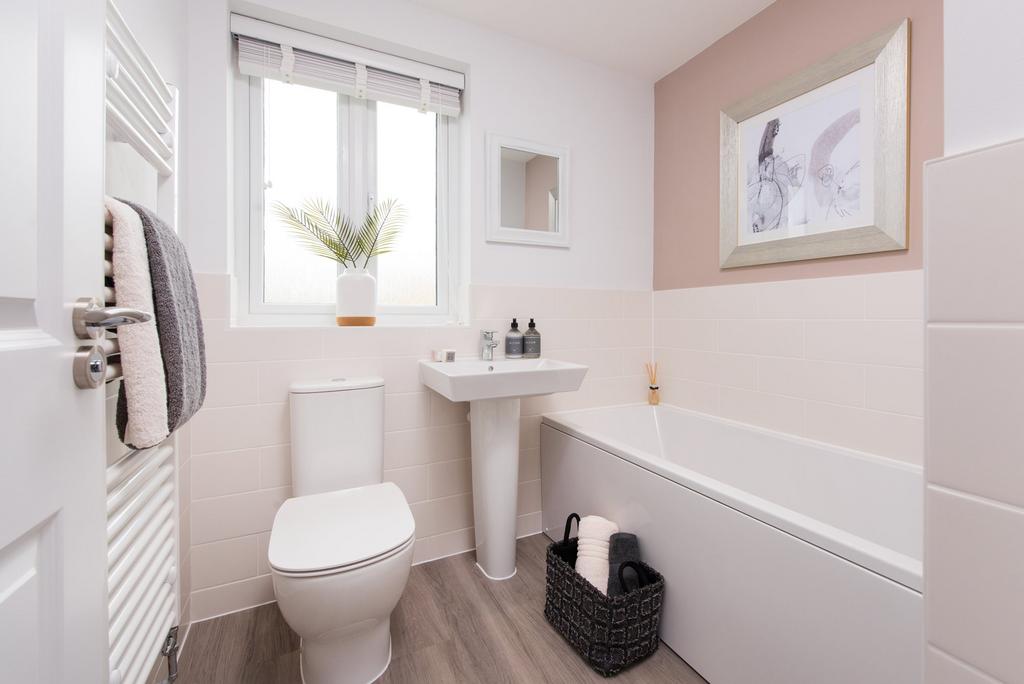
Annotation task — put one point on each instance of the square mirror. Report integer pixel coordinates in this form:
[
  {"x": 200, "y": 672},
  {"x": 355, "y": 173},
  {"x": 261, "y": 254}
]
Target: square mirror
[{"x": 526, "y": 192}]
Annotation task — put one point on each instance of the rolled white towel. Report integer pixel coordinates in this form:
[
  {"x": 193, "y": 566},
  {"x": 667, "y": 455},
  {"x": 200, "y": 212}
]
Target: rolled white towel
[{"x": 592, "y": 550}]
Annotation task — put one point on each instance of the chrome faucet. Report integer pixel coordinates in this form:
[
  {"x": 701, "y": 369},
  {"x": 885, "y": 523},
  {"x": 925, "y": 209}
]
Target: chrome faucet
[{"x": 488, "y": 342}]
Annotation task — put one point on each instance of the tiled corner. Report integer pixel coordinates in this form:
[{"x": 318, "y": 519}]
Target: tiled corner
[{"x": 973, "y": 581}]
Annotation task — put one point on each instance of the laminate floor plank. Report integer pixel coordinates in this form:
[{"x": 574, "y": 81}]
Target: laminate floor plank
[{"x": 451, "y": 625}]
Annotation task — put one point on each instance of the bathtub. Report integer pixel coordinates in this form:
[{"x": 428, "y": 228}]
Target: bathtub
[{"x": 786, "y": 561}]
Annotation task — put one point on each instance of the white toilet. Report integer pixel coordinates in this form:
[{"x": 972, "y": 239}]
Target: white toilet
[{"x": 341, "y": 549}]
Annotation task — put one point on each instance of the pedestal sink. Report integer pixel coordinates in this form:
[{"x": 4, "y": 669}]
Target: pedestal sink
[{"x": 493, "y": 390}]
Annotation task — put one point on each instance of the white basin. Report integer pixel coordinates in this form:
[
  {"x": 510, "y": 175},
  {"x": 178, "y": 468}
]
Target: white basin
[
  {"x": 493, "y": 390},
  {"x": 472, "y": 379}
]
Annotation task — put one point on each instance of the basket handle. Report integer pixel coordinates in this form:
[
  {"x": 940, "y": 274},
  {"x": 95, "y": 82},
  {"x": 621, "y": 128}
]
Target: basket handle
[
  {"x": 641, "y": 575},
  {"x": 568, "y": 526}
]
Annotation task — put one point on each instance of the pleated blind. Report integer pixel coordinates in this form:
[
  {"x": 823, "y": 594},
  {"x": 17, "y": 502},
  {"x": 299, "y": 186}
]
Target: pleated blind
[{"x": 271, "y": 51}]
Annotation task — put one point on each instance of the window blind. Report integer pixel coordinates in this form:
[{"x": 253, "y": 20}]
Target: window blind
[{"x": 293, "y": 56}]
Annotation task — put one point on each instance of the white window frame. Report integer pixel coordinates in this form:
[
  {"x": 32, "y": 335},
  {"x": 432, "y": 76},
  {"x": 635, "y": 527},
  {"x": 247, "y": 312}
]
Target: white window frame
[{"x": 356, "y": 119}]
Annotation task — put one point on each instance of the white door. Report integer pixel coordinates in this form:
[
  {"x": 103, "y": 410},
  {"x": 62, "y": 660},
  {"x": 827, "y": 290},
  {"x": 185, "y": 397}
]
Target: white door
[{"x": 53, "y": 614}]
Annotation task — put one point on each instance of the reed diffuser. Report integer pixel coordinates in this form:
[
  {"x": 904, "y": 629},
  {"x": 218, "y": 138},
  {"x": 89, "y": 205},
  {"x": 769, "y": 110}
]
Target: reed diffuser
[{"x": 653, "y": 392}]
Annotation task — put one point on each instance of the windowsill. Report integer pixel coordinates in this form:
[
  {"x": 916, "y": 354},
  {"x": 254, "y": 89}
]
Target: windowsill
[{"x": 317, "y": 321}]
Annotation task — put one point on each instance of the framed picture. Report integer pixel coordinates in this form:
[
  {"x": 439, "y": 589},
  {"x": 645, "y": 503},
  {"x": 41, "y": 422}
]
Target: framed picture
[{"x": 816, "y": 166}]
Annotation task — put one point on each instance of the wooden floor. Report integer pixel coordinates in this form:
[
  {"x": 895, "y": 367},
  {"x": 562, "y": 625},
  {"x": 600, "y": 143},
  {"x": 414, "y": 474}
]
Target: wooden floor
[{"x": 452, "y": 625}]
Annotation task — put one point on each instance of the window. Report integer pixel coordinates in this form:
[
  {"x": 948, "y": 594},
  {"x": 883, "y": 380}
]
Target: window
[{"x": 308, "y": 142}]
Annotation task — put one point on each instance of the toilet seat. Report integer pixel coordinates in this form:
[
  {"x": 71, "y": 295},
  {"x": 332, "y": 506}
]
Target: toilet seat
[{"x": 334, "y": 532}]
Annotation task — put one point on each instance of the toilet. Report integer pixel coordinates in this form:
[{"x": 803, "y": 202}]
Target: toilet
[{"x": 341, "y": 548}]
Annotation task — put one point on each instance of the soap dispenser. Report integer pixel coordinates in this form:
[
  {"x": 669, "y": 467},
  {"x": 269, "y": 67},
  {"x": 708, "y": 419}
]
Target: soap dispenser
[
  {"x": 514, "y": 342},
  {"x": 531, "y": 342}
]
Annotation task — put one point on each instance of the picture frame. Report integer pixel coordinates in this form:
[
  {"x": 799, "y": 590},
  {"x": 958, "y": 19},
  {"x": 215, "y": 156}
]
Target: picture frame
[{"x": 815, "y": 166}]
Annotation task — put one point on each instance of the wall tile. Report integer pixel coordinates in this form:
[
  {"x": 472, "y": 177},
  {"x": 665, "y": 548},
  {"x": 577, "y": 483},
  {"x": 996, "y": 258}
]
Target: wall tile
[
  {"x": 764, "y": 410},
  {"x": 262, "y": 556},
  {"x": 426, "y": 445},
  {"x": 973, "y": 240},
  {"x": 442, "y": 545},
  {"x": 899, "y": 390},
  {"x": 761, "y": 337},
  {"x": 230, "y": 384},
  {"x": 898, "y": 295},
  {"x": 225, "y": 472},
  {"x": 275, "y": 466},
  {"x": 239, "y": 427},
  {"x": 885, "y": 434},
  {"x": 813, "y": 298},
  {"x": 686, "y": 334},
  {"x": 840, "y": 383},
  {"x": 233, "y": 344},
  {"x": 696, "y": 396},
  {"x": 529, "y": 497},
  {"x": 442, "y": 515},
  {"x": 976, "y": 395},
  {"x": 236, "y": 515},
  {"x": 228, "y": 598},
  {"x": 449, "y": 478},
  {"x": 528, "y": 524},
  {"x": 214, "y": 291},
  {"x": 444, "y": 412},
  {"x": 889, "y": 343},
  {"x": 222, "y": 562},
  {"x": 529, "y": 465},
  {"x": 413, "y": 482},
  {"x": 975, "y": 566},
  {"x": 406, "y": 411}
]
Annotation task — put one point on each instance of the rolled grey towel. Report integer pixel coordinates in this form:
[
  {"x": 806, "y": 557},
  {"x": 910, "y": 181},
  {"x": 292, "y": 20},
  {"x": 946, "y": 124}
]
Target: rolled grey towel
[{"x": 622, "y": 547}]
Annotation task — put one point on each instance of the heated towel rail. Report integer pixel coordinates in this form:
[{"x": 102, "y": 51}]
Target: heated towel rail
[{"x": 142, "y": 484}]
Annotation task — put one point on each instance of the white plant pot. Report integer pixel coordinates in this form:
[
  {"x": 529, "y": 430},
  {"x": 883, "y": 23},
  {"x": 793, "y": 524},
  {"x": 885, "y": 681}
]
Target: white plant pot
[{"x": 357, "y": 298}]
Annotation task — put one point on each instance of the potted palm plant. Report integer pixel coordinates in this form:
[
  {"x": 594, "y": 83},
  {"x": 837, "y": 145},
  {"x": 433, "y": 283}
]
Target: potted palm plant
[{"x": 328, "y": 233}]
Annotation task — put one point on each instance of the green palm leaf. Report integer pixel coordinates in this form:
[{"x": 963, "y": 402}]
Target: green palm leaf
[
  {"x": 317, "y": 231},
  {"x": 381, "y": 229},
  {"x": 328, "y": 233}
]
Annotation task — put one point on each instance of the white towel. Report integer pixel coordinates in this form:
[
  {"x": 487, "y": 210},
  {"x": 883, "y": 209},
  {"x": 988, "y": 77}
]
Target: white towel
[
  {"x": 592, "y": 550},
  {"x": 142, "y": 366}
]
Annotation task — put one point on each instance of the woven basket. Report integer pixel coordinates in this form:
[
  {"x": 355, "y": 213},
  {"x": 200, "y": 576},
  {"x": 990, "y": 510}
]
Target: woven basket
[{"x": 609, "y": 632}]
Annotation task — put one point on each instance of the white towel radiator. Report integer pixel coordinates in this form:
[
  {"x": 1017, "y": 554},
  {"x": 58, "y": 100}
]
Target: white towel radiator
[{"x": 142, "y": 487}]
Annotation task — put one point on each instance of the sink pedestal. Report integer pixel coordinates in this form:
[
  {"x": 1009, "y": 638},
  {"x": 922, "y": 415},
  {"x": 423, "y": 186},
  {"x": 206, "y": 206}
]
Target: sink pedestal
[
  {"x": 493, "y": 388},
  {"x": 494, "y": 430}
]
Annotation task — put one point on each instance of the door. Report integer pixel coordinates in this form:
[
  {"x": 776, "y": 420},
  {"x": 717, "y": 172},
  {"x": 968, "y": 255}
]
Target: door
[{"x": 53, "y": 614}]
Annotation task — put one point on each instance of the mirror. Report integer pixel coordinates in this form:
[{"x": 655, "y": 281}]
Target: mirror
[
  {"x": 526, "y": 189},
  {"x": 529, "y": 190}
]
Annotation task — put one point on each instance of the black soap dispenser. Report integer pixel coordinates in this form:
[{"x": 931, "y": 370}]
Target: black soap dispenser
[
  {"x": 531, "y": 342},
  {"x": 514, "y": 342}
]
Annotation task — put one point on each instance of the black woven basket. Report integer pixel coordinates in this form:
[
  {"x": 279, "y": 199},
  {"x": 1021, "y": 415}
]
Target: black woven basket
[{"x": 609, "y": 632}]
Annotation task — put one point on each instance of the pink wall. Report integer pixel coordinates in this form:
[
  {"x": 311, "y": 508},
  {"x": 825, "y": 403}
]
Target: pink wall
[
  {"x": 541, "y": 176},
  {"x": 786, "y": 37}
]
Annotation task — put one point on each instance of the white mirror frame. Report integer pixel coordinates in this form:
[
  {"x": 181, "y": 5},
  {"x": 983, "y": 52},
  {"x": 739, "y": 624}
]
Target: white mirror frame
[{"x": 521, "y": 236}]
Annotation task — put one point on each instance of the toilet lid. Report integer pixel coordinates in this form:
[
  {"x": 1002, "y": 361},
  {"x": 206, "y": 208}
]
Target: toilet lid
[{"x": 332, "y": 530}]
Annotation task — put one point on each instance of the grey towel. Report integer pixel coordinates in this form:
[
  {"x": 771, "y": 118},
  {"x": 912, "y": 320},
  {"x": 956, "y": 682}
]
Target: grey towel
[
  {"x": 178, "y": 322},
  {"x": 622, "y": 547}
]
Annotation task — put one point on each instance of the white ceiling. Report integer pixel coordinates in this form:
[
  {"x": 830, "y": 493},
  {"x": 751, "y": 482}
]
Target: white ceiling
[{"x": 648, "y": 38}]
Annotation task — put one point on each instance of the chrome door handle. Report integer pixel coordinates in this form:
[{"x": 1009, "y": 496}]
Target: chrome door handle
[{"x": 90, "y": 319}]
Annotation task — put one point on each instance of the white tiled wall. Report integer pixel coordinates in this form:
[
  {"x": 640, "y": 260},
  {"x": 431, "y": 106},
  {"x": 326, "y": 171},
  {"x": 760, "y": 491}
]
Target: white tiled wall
[
  {"x": 240, "y": 469},
  {"x": 835, "y": 359},
  {"x": 974, "y": 511}
]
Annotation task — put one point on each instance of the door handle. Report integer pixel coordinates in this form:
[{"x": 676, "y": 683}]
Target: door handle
[{"x": 90, "y": 319}]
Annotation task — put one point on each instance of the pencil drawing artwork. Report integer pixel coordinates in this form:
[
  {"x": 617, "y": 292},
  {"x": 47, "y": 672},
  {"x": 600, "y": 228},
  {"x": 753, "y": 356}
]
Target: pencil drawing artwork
[{"x": 801, "y": 165}]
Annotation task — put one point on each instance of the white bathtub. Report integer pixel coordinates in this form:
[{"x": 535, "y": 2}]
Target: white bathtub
[{"x": 786, "y": 561}]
